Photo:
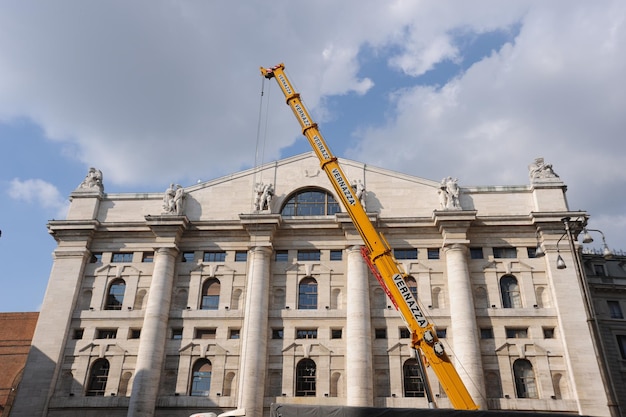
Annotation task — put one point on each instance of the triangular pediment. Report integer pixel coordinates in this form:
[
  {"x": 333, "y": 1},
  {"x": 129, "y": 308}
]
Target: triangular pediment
[{"x": 218, "y": 203}]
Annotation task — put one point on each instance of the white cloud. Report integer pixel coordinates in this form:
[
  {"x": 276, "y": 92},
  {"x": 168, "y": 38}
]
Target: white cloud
[
  {"x": 40, "y": 192},
  {"x": 155, "y": 91},
  {"x": 556, "y": 92}
]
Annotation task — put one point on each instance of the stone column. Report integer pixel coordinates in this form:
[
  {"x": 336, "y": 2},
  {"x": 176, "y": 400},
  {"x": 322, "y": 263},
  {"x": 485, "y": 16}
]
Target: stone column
[
  {"x": 359, "y": 374},
  {"x": 151, "y": 351},
  {"x": 255, "y": 332},
  {"x": 468, "y": 360}
]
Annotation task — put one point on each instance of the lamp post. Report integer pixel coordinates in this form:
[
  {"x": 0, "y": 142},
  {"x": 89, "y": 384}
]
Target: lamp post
[{"x": 592, "y": 321}]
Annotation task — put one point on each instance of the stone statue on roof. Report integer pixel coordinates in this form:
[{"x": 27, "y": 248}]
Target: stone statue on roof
[
  {"x": 449, "y": 192},
  {"x": 174, "y": 200},
  {"x": 539, "y": 170},
  {"x": 92, "y": 181}
]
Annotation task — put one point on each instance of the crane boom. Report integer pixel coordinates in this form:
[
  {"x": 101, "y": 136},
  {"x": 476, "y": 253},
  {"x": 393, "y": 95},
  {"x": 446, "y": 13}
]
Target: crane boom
[{"x": 378, "y": 251}]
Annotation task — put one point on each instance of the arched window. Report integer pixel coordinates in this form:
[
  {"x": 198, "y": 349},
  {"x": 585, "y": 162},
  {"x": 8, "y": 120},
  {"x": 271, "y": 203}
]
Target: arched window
[
  {"x": 335, "y": 299},
  {"x": 115, "y": 296},
  {"x": 210, "y": 294},
  {"x": 559, "y": 383},
  {"x": 98, "y": 378},
  {"x": 310, "y": 202},
  {"x": 379, "y": 299},
  {"x": 123, "y": 389},
  {"x": 335, "y": 384},
  {"x": 278, "y": 299},
  {"x": 511, "y": 297},
  {"x": 480, "y": 298},
  {"x": 274, "y": 388},
  {"x": 525, "y": 384},
  {"x": 236, "y": 298},
  {"x": 412, "y": 284},
  {"x": 413, "y": 381},
  {"x": 305, "y": 378},
  {"x": 438, "y": 300},
  {"x": 139, "y": 300},
  {"x": 228, "y": 384},
  {"x": 492, "y": 384},
  {"x": 201, "y": 378},
  {"x": 307, "y": 294}
]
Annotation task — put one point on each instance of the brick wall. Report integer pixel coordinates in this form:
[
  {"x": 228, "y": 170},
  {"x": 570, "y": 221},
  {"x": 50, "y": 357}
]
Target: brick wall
[{"x": 16, "y": 333}]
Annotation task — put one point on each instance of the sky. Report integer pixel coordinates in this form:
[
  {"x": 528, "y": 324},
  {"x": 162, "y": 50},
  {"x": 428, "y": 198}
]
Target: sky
[{"x": 159, "y": 91}]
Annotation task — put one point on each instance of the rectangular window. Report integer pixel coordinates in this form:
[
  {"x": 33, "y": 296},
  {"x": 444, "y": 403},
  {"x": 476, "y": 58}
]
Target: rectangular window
[
  {"x": 188, "y": 257},
  {"x": 306, "y": 333},
  {"x": 433, "y": 253},
  {"x": 516, "y": 332},
  {"x": 281, "y": 256},
  {"x": 598, "y": 270},
  {"x": 532, "y": 252},
  {"x": 277, "y": 333},
  {"x": 177, "y": 333},
  {"x": 476, "y": 253},
  {"x": 615, "y": 310},
  {"x": 148, "y": 257},
  {"x": 96, "y": 258},
  {"x": 505, "y": 252},
  {"x": 205, "y": 333},
  {"x": 134, "y": 333},
  {"x": 548, "y": 332},
  {"x": 336, "y": 255},
  {"x": 486, "y": 333},
  {"x": 241, "y": 256},
  {"x": 214, "y": 256},
  {"x": 78, "y": 334},
  {"x": 309, "y": 255},
  {"x": 234, "y": 333},
  {"x": 106, "y": 333},
  {"x": 122, "y": 257},
  {"x": 405, "y": 333},
  {"x": 621, "y": 344},
  {"x": 335, "y": 333},
  {"x": 408, "y": 253},
  {"x": 380, "y": 333},
  {"x": 441, "y": 333}
]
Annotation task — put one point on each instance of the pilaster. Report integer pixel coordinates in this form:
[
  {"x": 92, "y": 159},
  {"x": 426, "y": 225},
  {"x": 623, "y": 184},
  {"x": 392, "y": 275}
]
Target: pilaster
[{"x": 46, "y": 353}]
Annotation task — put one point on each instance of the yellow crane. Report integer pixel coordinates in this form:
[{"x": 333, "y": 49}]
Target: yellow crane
[{"x": 378, "y": 253}]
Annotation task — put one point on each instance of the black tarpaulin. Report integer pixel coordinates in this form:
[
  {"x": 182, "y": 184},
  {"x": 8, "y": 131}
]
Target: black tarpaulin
[{"x": 290, "y": 410}]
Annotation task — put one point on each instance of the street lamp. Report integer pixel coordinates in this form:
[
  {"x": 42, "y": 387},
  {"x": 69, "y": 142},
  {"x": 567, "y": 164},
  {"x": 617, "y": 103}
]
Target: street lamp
[{"x": 606, "y": 252}]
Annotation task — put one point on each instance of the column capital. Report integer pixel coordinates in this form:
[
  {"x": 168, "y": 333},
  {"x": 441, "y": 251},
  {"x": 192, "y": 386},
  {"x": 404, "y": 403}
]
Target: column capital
[
  {"x": 456, "y": 246},
  {"x": 168, "y": 229},
  {"x": 261, "y": 227},
  {"x": 266, "y": 250},
  {"x": 453, "y": 225}
]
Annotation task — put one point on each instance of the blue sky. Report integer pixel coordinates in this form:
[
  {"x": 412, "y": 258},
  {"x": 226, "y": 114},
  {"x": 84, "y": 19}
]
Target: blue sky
[{"x": 154, "y": 92}]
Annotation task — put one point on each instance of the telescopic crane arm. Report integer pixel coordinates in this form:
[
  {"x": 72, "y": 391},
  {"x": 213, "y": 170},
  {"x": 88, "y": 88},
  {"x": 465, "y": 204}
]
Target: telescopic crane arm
[{"x": 378, "y": 251}]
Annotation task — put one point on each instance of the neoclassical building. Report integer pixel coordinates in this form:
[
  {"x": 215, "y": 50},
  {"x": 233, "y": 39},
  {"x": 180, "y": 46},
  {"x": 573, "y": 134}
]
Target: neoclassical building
[{"x": 251, "y": 289}]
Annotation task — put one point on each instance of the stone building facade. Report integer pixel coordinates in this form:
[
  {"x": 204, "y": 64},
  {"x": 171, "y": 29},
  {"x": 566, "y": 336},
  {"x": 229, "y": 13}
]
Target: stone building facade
[
  {"x": 606, "y": 281},
  {"x": 225, "y": 296}
]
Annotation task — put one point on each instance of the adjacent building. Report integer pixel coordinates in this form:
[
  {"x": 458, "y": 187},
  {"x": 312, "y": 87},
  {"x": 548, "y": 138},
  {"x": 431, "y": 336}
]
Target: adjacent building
[
  {"x": 251, "y": 289},
  {"x": 606, "y": 284},
  {"x": 16, "y": 332}
]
